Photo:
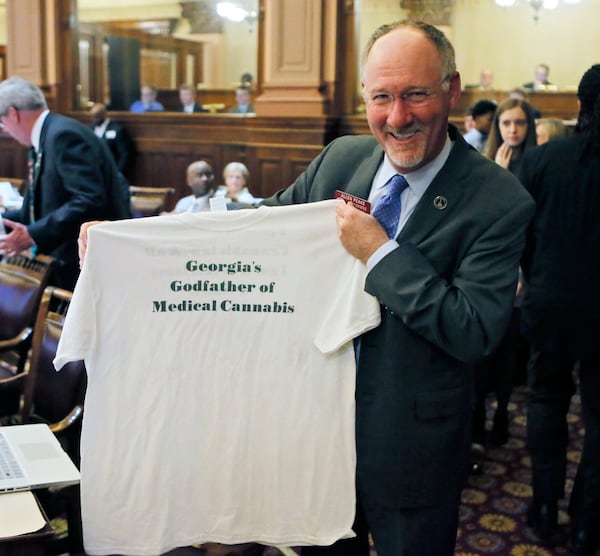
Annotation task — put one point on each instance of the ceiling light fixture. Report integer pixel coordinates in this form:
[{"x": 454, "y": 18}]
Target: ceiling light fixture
[{"x": 537, "y": 5}]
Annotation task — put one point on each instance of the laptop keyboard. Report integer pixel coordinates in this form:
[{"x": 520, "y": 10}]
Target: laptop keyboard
[{"x": 9, "y": 466}]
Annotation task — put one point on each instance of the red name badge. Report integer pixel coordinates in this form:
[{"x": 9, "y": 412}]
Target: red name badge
[{"x": 357, "y": 202}]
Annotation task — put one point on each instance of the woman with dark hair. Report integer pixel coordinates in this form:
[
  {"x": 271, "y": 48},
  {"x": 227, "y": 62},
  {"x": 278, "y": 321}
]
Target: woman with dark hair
[{"x": 513, "y": 131}]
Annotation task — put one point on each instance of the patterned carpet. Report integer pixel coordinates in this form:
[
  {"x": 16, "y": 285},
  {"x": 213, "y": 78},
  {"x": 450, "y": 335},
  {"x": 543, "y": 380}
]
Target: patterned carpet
[{"x": 493, "y": 512}]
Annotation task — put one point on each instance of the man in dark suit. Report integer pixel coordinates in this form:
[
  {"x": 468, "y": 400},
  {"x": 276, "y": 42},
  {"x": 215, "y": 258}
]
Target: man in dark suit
[
  {"x": 243, "y": 103},
  {"x": 540, "y": 80},
  {"x": 73, "y": 179},
  {"x": 187, "y": 97},
  {"x": 561, "y": 320},
  {"x": 445, "y": 280},
  {"x": 115, "y": 136}
]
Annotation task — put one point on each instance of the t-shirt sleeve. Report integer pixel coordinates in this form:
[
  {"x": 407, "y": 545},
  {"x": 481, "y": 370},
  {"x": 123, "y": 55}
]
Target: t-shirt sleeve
[
  {"x": 79, "y": 326},
  {"x": 352, "y": 311}
]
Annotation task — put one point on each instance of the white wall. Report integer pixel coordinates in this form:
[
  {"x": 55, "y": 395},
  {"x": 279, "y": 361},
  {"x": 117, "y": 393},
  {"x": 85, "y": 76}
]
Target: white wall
[
  {"x": 511, "y": 43},
  {"x": 508, "y": 41}
]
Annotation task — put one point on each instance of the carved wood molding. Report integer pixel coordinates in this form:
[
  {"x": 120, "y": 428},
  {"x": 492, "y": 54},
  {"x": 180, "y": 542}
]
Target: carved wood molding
[
  {"x": 435, "y": 12},
  {"x": 202, "y": 16}
]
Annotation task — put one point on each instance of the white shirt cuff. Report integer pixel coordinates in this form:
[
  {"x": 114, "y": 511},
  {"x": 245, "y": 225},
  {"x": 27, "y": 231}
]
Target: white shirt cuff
[{"x": 385, "y": 249}]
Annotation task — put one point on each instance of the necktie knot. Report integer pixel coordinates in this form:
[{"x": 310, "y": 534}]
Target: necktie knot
[{"x": 389, "y": 206}]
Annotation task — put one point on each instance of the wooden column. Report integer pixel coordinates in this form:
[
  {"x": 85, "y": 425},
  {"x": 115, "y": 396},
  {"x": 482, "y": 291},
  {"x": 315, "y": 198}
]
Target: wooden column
[
  {"x": 299, "y": 57},
  {"x": 40, "y": 47}
]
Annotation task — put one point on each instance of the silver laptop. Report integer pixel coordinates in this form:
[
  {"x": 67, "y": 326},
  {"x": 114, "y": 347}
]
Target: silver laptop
[{"x": 32, "y": 457}]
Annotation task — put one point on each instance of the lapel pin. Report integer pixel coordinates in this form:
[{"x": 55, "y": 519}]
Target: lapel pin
[{"x": 440, "y": 202}]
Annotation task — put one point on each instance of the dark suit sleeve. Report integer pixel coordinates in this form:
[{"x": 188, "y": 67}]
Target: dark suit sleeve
[
  {"x": 73, "y": 186},
  {"x": 463, "y": 312},
  {"x": 18, "y": 215}
]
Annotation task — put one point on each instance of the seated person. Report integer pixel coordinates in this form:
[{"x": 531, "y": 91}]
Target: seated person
[
  {"x": 521, "y": 94},
  {"x": 147, "y": 102},
  {"x": 486, "y": 81},
  {"x": 236, "y": 176},
  {"x": 200, "y": 178},
  {"x": 243, "y": 104},
  {"x": 540, "y": 79},
  {"x": 548, "y": 129},
  {"x": 187, "y": 96},
  {"x": 247, "y": 80},
  {"x": 114, "y": 135},
  {"x": 482, "y": 113}
]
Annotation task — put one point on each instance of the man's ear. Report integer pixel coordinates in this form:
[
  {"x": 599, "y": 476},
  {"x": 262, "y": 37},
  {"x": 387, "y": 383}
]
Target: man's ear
[{"x": 455, "y": 89}]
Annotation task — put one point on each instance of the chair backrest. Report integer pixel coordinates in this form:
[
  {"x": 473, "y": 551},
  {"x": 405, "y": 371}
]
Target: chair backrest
[
  {"x": 52, "y": 396},
  {"x": 22, "y": 281},
  {"x": 149, "y": 201}
]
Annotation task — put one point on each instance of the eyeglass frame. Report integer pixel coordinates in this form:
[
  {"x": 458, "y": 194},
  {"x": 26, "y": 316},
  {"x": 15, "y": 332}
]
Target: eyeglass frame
[{"x": 383, "y": 99}]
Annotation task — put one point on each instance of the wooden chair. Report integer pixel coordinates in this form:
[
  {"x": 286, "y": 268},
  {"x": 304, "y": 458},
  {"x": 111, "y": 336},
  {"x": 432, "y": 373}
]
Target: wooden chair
[
  {"x": 149, "y": 201},
  {"x": 22, "y": 282},
  {"x": 56, "y": 398}
]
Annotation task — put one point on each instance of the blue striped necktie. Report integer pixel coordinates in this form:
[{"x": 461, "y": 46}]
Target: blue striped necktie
[{"x": 389, "y": 206}]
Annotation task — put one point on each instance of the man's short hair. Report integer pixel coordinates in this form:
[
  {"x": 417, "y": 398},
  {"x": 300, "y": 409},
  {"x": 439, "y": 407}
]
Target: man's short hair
[{"x": 483, "y": 107}]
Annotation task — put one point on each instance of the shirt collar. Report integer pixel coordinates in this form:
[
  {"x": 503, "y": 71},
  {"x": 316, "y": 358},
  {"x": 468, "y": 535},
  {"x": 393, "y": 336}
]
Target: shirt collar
[
  {"x": 101, "y": 128},
  {"x": 36, "y": 130},
  {"x": 418, "y": 180}
]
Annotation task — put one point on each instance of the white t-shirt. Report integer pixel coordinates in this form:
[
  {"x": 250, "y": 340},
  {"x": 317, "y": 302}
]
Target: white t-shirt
[
  {"x": 191, "y": 203},
  {"x": 221, "y": 374}
]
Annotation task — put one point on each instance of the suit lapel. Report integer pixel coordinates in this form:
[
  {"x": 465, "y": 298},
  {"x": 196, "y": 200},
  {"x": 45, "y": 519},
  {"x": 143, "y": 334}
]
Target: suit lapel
[
  {"x": 442, "y": 194},
  {"x": 362, "y": 178}
]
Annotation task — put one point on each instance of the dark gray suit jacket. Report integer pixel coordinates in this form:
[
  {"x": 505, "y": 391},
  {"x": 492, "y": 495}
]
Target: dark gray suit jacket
[
  {"x": 77, "y": 181},
  {"x": 446, "y": 295}
]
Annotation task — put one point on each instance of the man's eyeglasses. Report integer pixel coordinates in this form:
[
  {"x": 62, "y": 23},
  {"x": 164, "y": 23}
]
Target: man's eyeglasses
[{"x": 414, "y": 97}]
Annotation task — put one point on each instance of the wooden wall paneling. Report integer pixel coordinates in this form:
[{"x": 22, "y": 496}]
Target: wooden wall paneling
[
  {"x": 276, "y": 150},
  {"x": 280, "y": 165},
  {"x": 271, "y": 170},
  {"x": 3, "y": 74},
  {"x": 27, "y": 56},
  {"x": 292, "y": 59},
  {"x": 13, "y": 160}
]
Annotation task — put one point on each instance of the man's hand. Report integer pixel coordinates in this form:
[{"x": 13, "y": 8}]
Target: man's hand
[
  {"x": 360, "y": 233},
  {"x": 83, "y": 237},
  {"x": 17, "y": 240}
]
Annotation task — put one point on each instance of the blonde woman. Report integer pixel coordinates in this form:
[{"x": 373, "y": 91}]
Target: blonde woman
[
  {"x": 236, "y": 176},
  {"x": 548, "y": 129}
]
